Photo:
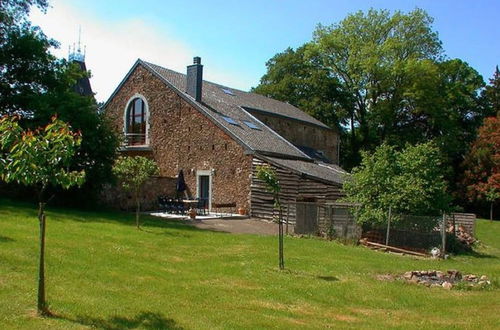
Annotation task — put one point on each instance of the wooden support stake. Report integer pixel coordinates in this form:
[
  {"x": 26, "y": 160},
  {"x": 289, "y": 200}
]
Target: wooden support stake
[{"x": 388, "y": 226}]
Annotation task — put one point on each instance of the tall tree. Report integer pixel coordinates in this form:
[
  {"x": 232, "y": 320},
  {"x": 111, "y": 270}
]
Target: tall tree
[
  {"x": 39, "y": 159},
  {"x": 36, "y": 85},
  {"x": 491, "y": 93},
  {"x": 482, "y": 165},
  {"x": 301, "y": 80},
  {"x": 369, "y": 54},
  {"x": 388, "y": 82}
]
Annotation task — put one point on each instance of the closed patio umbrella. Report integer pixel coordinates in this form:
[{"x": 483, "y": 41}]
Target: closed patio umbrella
[{"x": 181, "y": 184}]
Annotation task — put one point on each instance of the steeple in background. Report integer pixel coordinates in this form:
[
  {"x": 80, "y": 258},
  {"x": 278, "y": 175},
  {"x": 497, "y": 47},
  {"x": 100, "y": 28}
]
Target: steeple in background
[{"x": 75, "y": 55}]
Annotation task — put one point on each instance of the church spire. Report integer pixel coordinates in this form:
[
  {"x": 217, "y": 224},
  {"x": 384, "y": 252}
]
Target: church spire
[
  {"x": 75, "y": 53},
  {"x": 76, "y": 56}
]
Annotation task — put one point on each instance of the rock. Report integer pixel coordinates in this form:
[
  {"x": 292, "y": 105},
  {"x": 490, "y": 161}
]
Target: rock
[
  {"x": 427, "y": 284},
  {"x": 447, "y": 285},
  {"x": 431, "y": 273},
  {"x": 483, "y": 278},
  {"x": 408, "y": 275},
  {"x": 439, "y": 274},
  {"x": 454, "y": 274},
  {"x": 481, "y": 283}
]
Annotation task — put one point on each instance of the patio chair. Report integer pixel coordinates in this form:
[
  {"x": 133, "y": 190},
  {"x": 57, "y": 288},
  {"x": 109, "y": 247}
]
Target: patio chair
[
  {"x": 179, "y": 207},
  {"x": 201, "y": 206},
  {"x": 162, "y": 203}
]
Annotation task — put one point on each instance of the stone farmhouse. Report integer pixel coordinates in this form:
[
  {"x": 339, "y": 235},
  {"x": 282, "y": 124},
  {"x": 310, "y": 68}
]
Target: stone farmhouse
[{"x": 218, "y": 135}]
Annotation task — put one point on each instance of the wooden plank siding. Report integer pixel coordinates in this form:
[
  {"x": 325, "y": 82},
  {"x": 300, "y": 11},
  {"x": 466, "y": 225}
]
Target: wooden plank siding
[{"x": 294, "y": 187}]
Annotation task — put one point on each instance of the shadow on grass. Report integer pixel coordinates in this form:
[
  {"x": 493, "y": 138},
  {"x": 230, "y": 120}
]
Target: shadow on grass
[
  {"x": 143, "y": 320},
  {"x": 479, "y": 255},
  {"x": 297, "y": 273},
  {"x": 4, "y": 239},
  {"x": 60, "y": 214},
  {"x": 328, "y": 278}
]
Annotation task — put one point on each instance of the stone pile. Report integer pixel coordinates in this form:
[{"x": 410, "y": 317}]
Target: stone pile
[{"x": 435, "y": 278}]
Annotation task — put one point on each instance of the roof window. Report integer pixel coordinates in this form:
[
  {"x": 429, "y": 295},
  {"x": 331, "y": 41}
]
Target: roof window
[
  {"x": 230, "y": 120},
  {"x": 228, "y": 91},
  {"x": 251, "y": 124}
]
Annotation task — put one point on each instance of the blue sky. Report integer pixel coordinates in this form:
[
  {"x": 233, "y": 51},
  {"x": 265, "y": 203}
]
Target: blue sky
[{"x": 236, "y": 38}]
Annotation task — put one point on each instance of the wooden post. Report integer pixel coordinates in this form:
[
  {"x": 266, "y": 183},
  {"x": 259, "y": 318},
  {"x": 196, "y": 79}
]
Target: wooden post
[
  {"x": 41, "y": 304},
  {"x": 443, "y": 236},
  {"x": 388, "y": 226}
]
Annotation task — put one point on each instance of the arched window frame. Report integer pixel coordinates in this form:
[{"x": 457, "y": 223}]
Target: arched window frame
[{"x": 146, "y": 118}]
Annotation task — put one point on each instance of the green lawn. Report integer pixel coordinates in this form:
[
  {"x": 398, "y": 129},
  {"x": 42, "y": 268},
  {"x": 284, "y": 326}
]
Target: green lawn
[{"x": 103, "y": 273}]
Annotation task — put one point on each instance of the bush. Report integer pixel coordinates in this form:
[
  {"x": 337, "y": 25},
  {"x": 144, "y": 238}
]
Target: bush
[{"x": 410, "y": 181}]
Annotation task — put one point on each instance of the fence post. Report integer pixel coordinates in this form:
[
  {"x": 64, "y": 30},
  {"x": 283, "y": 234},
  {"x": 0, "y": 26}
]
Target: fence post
[
  {"x": 443, "y": 235},
  {"x": 388, "y": 226}
]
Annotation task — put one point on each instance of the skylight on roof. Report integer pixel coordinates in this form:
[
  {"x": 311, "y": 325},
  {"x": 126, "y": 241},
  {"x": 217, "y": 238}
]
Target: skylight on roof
[
  {"x": 230, "y": 120},
  {"x": 251, "y": 124},
  {"x": 227, "y": 91}
]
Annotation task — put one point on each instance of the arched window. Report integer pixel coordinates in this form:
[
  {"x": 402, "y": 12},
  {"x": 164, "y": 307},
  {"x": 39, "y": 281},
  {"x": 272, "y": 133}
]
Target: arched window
[{"x": 136, "y": 122}]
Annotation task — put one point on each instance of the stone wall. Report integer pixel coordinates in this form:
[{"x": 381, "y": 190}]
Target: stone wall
[
  {"x": 154, "y": 187},
  {"x": 304, "y": 134},
  {"x": 183, "y": 138}
]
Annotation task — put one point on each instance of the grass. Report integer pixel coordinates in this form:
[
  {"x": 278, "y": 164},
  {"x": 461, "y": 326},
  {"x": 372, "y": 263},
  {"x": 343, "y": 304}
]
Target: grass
[{"x": 103, "y": 273}]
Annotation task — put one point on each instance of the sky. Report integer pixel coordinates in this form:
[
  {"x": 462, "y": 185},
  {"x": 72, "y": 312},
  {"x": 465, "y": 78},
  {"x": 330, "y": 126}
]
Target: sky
[{"x": 235, "y": 39}]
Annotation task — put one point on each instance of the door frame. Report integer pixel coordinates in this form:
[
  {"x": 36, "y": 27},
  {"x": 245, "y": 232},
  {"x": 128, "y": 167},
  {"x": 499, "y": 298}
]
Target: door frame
[{"x": 208, "y": 173}]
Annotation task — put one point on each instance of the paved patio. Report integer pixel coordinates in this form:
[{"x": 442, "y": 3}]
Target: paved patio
[{"x": 229, "y": 223}]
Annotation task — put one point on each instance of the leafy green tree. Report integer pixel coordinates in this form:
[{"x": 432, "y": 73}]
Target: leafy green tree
[
  {"x": 410, "y": 181},
  {"x": 491, "y": 93},
  {"x": 387, "y": 81},
  {"x": 482, "y": 165},
  {"x": 368, "y": 54},
  {"x": 36, "y": 85},
  {"x": 271, "y": 180},
  {"x": 132, "y": 173},
  {"x": 301, "y": 81},
  {"x": 39, "y": 159}
]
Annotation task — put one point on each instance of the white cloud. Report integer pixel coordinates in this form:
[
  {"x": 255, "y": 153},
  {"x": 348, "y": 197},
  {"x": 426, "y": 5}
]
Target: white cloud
[{"x": 112, "y": 47}]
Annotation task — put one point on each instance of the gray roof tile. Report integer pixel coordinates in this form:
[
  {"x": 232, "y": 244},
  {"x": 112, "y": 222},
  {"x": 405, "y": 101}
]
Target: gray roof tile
[{"x": 324, "y": 171}]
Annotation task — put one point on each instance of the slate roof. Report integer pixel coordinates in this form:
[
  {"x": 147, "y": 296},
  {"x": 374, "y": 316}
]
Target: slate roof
[
  {"x": 238, "y": 105},
  {"x": 320, "y": 170},
  {"x": 217, "y": 104}
]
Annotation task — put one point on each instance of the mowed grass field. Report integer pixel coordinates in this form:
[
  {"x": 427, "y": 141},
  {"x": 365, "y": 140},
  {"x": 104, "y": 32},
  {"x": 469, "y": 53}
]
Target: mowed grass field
[{"x": 104, "y": 273}]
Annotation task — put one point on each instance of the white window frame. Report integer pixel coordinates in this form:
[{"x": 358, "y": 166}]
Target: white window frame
[{"x": 146, "y": 117}]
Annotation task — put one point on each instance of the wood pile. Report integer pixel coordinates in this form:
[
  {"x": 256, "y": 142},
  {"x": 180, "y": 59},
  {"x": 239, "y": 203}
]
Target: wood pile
[{"x": 462, "y": 235}]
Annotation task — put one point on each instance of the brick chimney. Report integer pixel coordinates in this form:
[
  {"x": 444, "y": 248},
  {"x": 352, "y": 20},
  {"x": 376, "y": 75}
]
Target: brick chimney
[{"x": 195, "y": 79}]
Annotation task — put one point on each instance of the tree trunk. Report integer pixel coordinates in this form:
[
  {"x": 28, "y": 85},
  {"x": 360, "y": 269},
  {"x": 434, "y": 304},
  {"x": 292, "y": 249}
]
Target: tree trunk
[
  {"x": 42, "y": 305},
  {"x": 491, "y": 211},
  {"x": 280, "y": 239},
  {"x": 137, "y": 211}
]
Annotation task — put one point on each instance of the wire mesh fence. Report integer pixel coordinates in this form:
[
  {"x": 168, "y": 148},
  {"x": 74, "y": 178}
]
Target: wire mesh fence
[{"x": 338, "y": 221}]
